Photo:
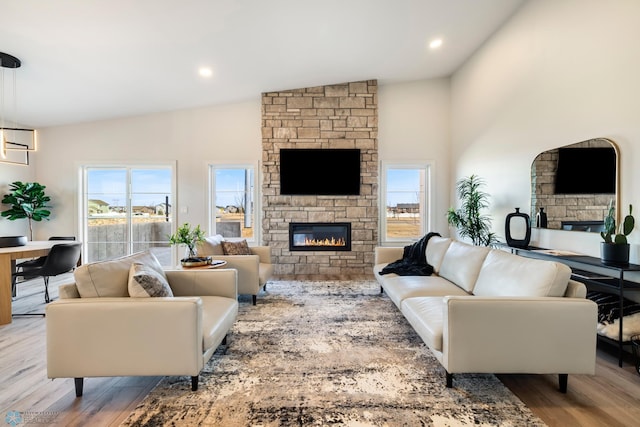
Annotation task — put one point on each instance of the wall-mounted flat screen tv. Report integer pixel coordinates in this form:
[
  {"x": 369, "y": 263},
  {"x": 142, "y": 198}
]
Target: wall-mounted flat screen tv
[
  {"x": 586, "y": 171},
  {"x": 329, "y": 172}
]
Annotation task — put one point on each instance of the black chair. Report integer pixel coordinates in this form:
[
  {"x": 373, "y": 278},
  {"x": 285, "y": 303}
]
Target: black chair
[
  {"x": 62, "y": 258},
  {"x": 37, "y": 262}
]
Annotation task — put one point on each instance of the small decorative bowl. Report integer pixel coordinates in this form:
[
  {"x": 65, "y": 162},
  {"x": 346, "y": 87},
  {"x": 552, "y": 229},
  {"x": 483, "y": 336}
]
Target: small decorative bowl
[
  {"x": 11, "y": 241},
  {"x": 195, "y": 262}
]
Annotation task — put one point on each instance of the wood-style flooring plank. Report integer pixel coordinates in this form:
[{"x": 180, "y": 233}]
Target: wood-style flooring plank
[{"x": 609, "y": 398}]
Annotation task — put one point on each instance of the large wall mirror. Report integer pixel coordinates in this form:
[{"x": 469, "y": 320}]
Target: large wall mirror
[{"x": 574, "y": 184}]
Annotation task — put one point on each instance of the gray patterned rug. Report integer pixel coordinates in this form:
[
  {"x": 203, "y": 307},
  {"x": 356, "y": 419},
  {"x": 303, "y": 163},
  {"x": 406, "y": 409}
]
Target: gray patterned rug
[{"x": 317, "y": 353}]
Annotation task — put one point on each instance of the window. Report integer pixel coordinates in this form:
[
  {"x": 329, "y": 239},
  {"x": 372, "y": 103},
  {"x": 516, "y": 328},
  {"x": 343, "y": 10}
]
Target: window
[
  {"x": 405, "y": 195},
  {"x": 232, "y": 201},
  {"x": 126, "y": 210}
]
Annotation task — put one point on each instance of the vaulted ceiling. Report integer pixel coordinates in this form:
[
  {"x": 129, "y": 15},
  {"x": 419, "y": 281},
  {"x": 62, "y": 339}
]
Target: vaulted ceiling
[{"x": 99, "y": 59}]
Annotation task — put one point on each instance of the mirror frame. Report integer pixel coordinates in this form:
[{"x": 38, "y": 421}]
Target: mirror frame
[{"x": 534, "y": 185}]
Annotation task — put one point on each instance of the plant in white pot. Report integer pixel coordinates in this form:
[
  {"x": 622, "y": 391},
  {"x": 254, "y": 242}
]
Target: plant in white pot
[
  {"x": 27, "y": 200},
  {"x": 615, "y": 248}
]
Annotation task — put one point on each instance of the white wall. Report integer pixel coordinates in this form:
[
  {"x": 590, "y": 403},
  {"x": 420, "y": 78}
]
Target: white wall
[
  {"x": 559, "y": 72},
  {"x": 191, "y": 138},
  {"x": 414, "y": 127},
  {"x": 10, "y": 173}
]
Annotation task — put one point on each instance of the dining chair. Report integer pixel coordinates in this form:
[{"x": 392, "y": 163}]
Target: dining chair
[
  {"x": 36, "y": 262},
  {"x": 62, "y": 257}
]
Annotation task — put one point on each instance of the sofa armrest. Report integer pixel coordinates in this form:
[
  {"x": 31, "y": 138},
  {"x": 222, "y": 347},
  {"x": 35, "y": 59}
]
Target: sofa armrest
[
  {"x": 68, "y": 291},
  {"x": 385, "y": 255},
  {"x": 264, "y": 252},
  {"x": 248, "y": 267},
  {"x": 204, "y": 282},
  {"x": 89, "y": 337},
  {"x": 519, "y": 335}
]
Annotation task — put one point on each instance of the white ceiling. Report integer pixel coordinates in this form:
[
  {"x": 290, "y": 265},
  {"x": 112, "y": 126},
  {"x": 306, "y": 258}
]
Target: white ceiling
[{"x": 99, "y": 59}]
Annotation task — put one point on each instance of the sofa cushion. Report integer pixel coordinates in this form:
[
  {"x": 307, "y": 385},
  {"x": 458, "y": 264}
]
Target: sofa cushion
[
  {"x": 218, "y": 316},
  {"x": 426, "y": 316},
  {"x": 144, "y": 281},
  {"x": 111, "y": 278},
  {"x": 211, "y": 245},
  {"x": 436, "y": 248},
  {"x": 461, "y": 264},
  {"x": 505, "y": 274},
  {"x": 399, "y": 288},
  {"x": 236, "y": 248}
]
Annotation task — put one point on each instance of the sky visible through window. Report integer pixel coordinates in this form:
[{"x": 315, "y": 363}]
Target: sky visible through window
[
  {"x": 150, "y": 186},
  {"x": 403, "y": 186}
]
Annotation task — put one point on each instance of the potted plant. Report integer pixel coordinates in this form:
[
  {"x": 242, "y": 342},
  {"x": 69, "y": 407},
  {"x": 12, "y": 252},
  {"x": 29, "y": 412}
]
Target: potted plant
[
  {"x": 468, "y": 219},
  {"x": 27, "y": 200},
  {"x": 615, "y": 248},
  {"x": 189, "y": 237}
]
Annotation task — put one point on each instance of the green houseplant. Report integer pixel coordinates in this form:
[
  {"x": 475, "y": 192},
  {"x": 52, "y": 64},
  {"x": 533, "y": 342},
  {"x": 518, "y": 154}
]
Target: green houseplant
[
  {"x": 189, "y": 237},
  {"x": 615, "y": 248},
  {"x": 468, "y": 219},
  {"x": 27, "y": 200}
]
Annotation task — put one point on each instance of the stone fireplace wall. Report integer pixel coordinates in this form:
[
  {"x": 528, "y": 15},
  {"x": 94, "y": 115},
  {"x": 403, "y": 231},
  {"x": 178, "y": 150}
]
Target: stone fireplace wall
[{"x": 336, "y": 116}]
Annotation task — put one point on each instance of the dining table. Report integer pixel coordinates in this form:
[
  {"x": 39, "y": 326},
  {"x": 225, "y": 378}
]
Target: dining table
[{"x": 8, "y": 257}]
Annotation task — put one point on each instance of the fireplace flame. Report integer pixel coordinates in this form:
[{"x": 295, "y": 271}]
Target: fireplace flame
[{"x": 325, "y": 242}]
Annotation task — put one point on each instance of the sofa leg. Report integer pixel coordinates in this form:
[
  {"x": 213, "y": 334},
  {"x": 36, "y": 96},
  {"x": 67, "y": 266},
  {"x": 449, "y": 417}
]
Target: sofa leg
[
  {"x": 563, "y": 379},
  {"x": 194, "y": 383},
  {"x": 254, "y": 298},
  {"x": 224, "y": 340},
  {"x": 264, "y": 287},
  {"x": 381, "y": 289},
  {"x": 79, "y": 386},
  {"x": 449, "y": 380}
]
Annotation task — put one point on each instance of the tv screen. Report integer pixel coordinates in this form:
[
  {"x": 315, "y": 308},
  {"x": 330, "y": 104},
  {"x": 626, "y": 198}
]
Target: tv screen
[
  {"x": 327, "y": 172},
  {"x": 586, "y": 171}
]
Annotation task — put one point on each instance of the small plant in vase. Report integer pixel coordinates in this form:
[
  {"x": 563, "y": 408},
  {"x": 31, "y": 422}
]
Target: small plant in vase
[
  {"x": 615, "y": 248},
  {"x": 189, "y": 237}
]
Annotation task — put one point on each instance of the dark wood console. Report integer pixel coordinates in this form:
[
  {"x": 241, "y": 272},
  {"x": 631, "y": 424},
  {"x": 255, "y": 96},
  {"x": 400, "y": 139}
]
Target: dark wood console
[{"x": 595, "y": 275}]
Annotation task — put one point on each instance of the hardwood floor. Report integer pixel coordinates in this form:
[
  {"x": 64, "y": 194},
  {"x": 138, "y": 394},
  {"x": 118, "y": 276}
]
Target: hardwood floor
[{"x": 609, "y": 398}]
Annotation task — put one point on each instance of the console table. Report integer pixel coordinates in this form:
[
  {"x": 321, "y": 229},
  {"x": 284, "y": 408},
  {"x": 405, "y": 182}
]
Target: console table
[{"x": 594, "y": 274}]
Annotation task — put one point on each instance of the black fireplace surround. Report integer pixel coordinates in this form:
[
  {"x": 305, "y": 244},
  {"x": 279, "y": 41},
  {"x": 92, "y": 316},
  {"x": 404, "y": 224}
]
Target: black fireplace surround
[{"x": 320, "y": 236}]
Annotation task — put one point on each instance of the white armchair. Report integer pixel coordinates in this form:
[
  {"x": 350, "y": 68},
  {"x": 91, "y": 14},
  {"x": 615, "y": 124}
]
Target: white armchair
[{"x": 124, "y": 336}]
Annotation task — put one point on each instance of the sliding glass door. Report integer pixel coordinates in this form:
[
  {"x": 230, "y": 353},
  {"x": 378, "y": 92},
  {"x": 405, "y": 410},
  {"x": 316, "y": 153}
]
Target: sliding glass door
[{"x": 127, "y": 209}]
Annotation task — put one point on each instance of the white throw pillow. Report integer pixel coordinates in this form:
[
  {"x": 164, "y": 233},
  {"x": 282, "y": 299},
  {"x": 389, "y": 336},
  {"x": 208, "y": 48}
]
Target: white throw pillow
[
  {"x": 211, "y": 245},
  {"x": 146, "y": 282}
]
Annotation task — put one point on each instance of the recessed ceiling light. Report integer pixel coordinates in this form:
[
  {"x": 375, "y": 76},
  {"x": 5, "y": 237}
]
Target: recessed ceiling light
[
  {"x": 435, "y": 43},
  {"x": 205, "y": 72}
]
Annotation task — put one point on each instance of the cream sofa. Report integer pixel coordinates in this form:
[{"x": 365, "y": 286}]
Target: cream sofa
[
  {"x": 253, "y": 270},
  {"x": 489, "y": 311},
  {"x": 106, "y": 333}
]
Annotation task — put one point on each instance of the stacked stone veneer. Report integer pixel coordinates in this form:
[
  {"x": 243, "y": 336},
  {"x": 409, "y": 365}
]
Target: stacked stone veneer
[
  {"x": 336, "y": 116},
  {"x": 564, "y": 207}
]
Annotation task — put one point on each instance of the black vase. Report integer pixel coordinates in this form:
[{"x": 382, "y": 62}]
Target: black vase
[
  {"x": 541, "y": 219},
  {"x": 515, "y": 217}
]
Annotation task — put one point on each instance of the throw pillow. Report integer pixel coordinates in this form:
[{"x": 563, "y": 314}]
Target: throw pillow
[
  {"x": 211, "y": 245},
  {"x": 110, "y": 278},
  {"x": 236, "y": 248},
  {"x": 146, "y": 282}
]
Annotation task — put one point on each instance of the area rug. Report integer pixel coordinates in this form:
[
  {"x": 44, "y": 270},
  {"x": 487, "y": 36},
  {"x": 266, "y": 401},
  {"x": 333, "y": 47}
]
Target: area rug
[{"x": 318, "y": 353}]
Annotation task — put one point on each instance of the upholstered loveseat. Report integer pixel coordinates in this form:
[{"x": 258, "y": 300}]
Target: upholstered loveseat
[
  {"x": 96, "y": 329},
  {"x": 253, "y": 264},
  {"x": 489, "y": 311}
]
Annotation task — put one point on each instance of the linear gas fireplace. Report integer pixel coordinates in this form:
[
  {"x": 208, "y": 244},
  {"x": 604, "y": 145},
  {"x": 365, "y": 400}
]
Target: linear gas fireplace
[{"x": 319, "y": 236}]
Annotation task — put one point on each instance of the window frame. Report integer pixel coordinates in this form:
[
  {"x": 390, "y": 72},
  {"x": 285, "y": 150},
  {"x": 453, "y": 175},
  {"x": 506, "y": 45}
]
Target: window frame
[
  {"x": 211, "y": 198},
  {"x": 426, "y": 204},
  {"x": 82, "y": 205}
]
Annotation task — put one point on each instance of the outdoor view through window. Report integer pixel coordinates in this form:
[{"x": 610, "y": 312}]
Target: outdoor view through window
[
  {"x": 405, "y": 203},
  {"x": 127, "y": 210}
]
